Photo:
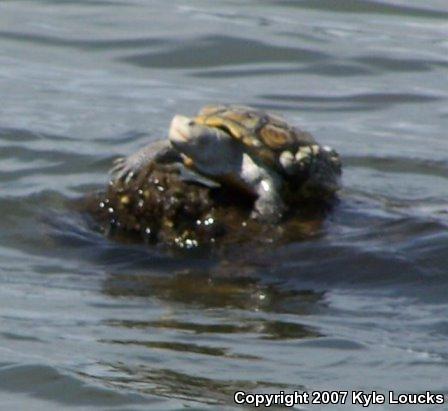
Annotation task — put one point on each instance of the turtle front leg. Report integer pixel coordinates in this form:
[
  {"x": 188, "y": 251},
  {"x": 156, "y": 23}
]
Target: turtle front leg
[
  {"x": 300, "y": 162},
  {"x": 126, "y": 168}
]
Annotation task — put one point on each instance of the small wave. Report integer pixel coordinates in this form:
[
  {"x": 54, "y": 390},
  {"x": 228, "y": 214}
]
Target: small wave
[
  {"x": 364, "y": 7},
  {"x": 215, "y": 51},
  {"x": 323, "y": 68},
  {"x": 347, "y": 103},
  {"x": 49, "y": 383},
  {"x": 83, "y": 44}
]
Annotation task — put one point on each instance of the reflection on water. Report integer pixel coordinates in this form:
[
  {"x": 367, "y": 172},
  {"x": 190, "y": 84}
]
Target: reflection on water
[
  {"x": 356, "y": 300},
  {"x": 171, "y": 384},
  {"x": 204, "y": 290},
  {"x": 266, "y": 329}
]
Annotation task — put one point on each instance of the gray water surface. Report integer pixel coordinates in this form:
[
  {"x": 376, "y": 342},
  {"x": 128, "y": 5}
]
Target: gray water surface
[{"x": 90, "y": 323}]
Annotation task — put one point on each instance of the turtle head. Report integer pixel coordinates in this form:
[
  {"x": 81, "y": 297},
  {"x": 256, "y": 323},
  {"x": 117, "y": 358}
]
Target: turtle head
[{"x": 209, "y": 150}]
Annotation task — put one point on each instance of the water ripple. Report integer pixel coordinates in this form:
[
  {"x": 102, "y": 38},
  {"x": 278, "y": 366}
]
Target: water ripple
[
  {"x": 364, "y": 7},
  {"x": 41, "y": 381},
  {"x": 84, "y": 44},
  {"x": 213, "y": 51},
  {"x": 334, "y": 69},
  {"x": 91, "y": 320},
  {"x": 391, "y": 64}
]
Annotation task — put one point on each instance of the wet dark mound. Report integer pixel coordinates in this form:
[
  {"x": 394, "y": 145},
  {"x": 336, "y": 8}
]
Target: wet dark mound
[{"x": 160, "y": 207}]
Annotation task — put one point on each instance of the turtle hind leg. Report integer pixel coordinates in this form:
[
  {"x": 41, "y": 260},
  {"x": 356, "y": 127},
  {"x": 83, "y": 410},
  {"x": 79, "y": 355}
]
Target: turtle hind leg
[{"x": 269, "y": 206}]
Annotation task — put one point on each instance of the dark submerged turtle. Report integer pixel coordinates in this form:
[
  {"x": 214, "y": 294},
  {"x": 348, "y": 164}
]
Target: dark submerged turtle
[{"x": 158, "y": 206}]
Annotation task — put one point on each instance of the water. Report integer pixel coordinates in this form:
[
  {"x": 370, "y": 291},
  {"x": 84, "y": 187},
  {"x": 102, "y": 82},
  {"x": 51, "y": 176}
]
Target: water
[{"x": 90, "y": 323}]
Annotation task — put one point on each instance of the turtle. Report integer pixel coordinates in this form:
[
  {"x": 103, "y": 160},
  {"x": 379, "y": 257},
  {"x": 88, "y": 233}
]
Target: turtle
[
  {"x": 256, "y": 151},
  {"x": 248, "y": 149}
]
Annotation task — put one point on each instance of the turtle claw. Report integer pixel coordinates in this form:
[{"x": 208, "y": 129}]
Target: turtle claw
[
  {"x": 122, "y": 170},
  {"x": 300, "y": 161},
  {"x": 125, "y": 169},
  {"x": 117, "y": 165},
  {"x": 305, "y": 154}
]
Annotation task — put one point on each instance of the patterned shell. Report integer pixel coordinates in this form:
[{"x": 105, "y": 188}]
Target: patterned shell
[{"x": 265, "y": 136}]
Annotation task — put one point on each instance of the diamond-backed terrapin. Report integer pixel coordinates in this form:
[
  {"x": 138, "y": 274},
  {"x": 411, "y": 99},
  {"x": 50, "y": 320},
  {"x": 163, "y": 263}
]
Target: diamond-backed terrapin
[{"x": 248, "y": 149}]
